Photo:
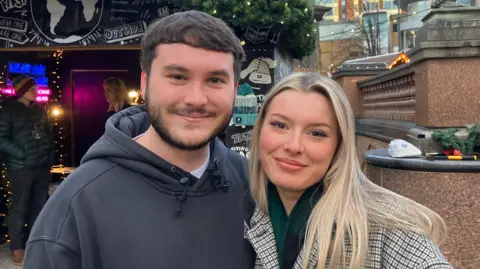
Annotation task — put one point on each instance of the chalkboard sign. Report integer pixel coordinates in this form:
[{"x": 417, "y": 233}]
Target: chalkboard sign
[
  {"x": 67, "y": 23},
  {"x": 256, "y": 79}
]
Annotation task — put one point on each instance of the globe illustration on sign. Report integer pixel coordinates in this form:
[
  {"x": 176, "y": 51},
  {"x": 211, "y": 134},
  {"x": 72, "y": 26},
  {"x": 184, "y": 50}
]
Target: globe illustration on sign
[{"x": 66, "y": 21}]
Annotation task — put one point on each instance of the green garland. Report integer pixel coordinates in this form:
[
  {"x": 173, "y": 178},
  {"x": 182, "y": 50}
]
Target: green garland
[
  {"x": 299, "y": 32},
  {"x": 449, "y": 140}
]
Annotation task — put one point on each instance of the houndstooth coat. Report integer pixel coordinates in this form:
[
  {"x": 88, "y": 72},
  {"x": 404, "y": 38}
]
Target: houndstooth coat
[{"x": 389, "y": 248}]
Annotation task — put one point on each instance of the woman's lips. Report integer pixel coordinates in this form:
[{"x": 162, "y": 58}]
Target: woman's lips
[{"x": 290, "y": 164}]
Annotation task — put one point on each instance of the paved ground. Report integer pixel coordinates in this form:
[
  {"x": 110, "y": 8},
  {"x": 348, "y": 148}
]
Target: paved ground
[{"x": 5, "y": 262}]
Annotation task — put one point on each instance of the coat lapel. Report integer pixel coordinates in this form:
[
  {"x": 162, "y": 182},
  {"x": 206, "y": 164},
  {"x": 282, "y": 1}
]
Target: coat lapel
[
  {"x": 262, "y": 238},
  {"x": 312, "y": 259}
]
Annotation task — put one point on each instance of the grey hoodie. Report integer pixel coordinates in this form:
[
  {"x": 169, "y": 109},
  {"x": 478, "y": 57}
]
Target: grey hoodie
[{"x": 126, "y": 208}]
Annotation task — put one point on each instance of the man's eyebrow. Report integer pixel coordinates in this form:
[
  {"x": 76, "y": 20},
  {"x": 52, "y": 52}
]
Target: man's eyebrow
[
  {"x": 181, "y": 69},
  {"x": 219, "y": 72},
  {"x": 174, "y": 67}
]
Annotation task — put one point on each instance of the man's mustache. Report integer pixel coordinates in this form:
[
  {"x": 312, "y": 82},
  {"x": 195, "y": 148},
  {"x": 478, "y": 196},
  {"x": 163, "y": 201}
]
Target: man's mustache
[{"x": 195, "y": 112}]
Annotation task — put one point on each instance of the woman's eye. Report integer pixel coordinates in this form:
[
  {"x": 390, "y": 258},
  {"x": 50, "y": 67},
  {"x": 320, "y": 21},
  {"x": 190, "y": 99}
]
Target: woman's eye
[
  {"x": 318, "y": 133},
  {"x": 278, "y": 125}
]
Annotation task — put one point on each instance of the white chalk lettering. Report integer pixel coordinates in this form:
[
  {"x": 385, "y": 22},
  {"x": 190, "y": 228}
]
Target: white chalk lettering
[
  {"x": 13, "y": 24},
  {"x": 19, "y": 38},
  {"x": 146, "y": 2},
  {"x": 125, "y": 32},
  {"x": 260, "y": 98},
  {"x": 242, "y": 137},
  {"x": 163, "y": 12},
  {"x": 11, "y": 4}
]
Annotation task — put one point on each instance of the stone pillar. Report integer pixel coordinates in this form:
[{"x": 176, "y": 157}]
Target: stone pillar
[
  {"x": 348, "y": 75},
  {"x": 447, "y": 67},
  {"x": 354, "y": 95}
]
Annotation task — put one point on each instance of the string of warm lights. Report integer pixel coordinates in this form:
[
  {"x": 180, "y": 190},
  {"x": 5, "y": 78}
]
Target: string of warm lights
[
  {"x": 5, "y": 187},
  {"x": 6, "y": 193},
  {"x": 56, "y": 110},
  {"x": 401, "y": 59},
  {"x": 296, "y": 18}
]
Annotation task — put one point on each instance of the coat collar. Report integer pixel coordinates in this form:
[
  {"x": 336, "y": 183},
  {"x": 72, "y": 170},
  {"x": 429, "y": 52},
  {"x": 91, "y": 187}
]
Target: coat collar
[{"x": 262, "y": 238}]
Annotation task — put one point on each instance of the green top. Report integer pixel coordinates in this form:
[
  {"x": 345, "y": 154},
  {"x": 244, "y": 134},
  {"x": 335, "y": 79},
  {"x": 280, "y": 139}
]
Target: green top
[{"x": 295, "y": 223}]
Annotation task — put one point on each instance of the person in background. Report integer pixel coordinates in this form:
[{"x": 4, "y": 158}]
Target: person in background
[
  {"x": 116, "y": 94},
  {"x": 315, "y": 207},
  {"x": 26, "y": 138},
  {"x": 166, "y": 194}
]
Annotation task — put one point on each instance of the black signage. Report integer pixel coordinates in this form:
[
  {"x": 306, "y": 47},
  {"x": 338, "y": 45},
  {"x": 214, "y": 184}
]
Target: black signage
[{"x": 71, "y": 23}]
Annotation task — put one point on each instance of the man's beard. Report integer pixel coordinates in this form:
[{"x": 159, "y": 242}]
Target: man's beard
[{"x": 157, "y": 122}]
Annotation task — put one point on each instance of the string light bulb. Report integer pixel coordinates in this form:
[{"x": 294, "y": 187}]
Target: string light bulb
[{"x": 56, "y": 112}]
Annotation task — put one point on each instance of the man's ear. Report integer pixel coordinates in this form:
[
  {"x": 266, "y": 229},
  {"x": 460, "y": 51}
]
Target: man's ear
[{"x": 143, "y": 84}]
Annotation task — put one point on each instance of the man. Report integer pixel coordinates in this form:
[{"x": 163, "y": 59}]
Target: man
[
  {"x": 171, "y": 196},
  {"x": 26, "y": 138}
]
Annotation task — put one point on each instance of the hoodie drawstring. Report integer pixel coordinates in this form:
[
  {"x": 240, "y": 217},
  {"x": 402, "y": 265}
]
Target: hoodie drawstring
[
  {"x": 182, "y": 197},
  {"x": 219, "y": 182}
]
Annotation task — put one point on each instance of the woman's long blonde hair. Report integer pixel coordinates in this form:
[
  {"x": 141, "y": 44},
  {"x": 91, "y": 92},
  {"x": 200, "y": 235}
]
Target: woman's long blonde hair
[
  {"x": 117, "y": 93},
  {"x": 351, "y": 202}
]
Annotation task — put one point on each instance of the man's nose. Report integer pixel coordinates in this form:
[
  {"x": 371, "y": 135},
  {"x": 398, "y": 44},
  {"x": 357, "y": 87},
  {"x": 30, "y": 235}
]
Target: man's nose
[{"x": 196, "y": 95}]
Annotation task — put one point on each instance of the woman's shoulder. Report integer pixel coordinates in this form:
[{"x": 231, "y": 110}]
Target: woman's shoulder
[{"x": 407, "y": 248}]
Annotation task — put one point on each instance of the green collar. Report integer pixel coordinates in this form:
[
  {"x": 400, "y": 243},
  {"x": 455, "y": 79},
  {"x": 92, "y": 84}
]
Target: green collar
[{"x": 294, "y": 225}]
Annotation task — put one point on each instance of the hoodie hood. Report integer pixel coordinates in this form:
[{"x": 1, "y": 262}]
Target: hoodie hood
[{"x": 118, "y": 146}]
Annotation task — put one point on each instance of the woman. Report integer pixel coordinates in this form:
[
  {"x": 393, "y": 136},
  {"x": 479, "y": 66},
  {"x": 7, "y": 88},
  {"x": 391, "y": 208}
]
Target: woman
[
  {"x": 313, "y": 199},
  {"x": 116, "y": 94}
]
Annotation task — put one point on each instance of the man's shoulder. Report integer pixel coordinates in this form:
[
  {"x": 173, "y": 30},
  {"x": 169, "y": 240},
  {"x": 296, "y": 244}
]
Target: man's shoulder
[
  {"x": 235, "y": 157},
  {"x": 85, "y": 174},
  {"x": 236, "y": 164},
  {"x": 69, "y": 202}
]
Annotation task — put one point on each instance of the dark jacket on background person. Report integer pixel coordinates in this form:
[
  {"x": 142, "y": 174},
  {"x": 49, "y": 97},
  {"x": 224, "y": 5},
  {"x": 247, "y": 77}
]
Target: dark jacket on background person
[
  {"x": 125, "y": 207},
  {"x": 26, "y": 136}
]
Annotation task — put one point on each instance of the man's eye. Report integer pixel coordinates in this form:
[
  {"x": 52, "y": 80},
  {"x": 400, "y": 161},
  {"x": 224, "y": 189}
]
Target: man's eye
[
  {"x": 217, "y": 80},
  {"x": 177, "y": 77}
]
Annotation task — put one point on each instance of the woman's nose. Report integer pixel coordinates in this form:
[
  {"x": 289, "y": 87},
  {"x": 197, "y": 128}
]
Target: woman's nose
[{"x": 294, "y": 143}]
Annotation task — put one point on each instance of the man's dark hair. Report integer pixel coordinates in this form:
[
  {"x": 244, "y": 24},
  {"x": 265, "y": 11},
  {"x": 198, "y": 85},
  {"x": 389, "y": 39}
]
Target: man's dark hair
[{"x": 193, "y": 28}]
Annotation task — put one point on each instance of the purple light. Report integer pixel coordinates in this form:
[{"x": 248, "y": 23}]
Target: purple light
[
  {"x": 8, "y": 91},
  {"x": 42, "y": 93},
  {"x": 42, "y": 98}
]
